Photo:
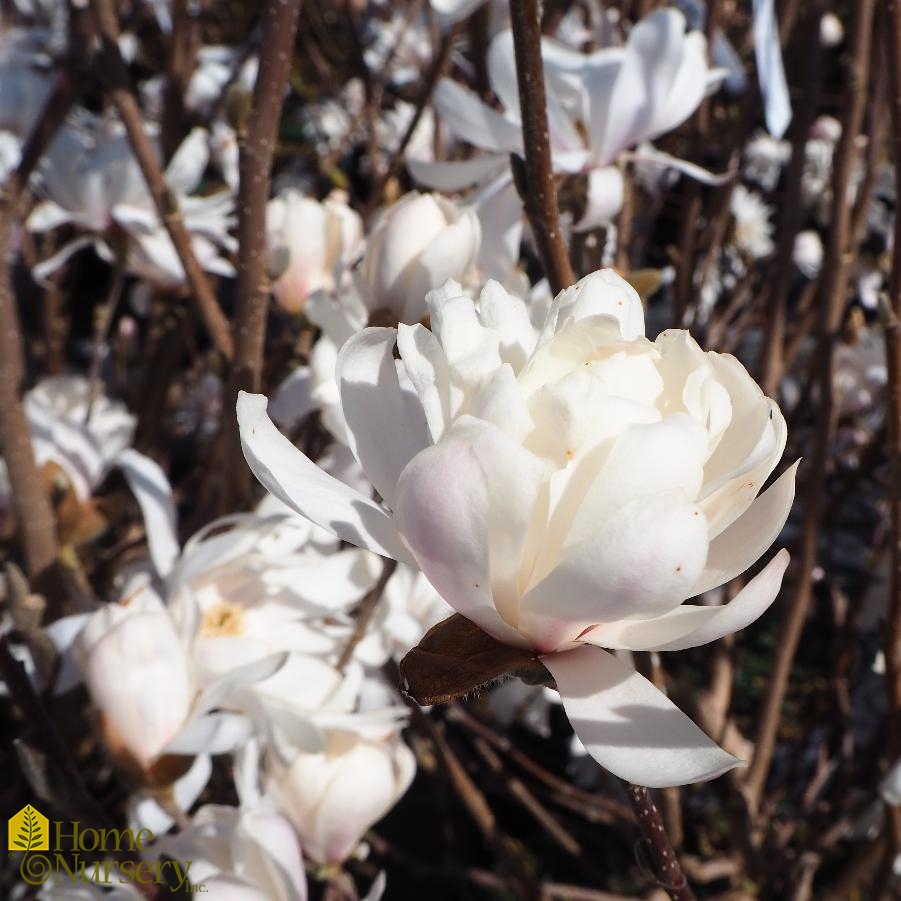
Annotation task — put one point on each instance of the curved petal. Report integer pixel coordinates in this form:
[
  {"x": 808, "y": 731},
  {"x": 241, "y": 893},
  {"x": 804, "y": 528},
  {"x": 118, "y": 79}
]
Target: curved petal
[
  {"x": 628, "y": 726},
  {"x": 464, "y": 507},
  {"x": 473, "y": 121},
  {"x": 153, "y": 493},
  {"x": 604, "y": 198},
  {"x": 426, "y": 367},
  {"x": 641, "y": 562},
  {"x": 455, "y": 176},
  {"x": 745, "y": 541},
  {"x": 689, "y": 626},
  {"x": 770, "y": 71},
  {"x": 294, "y": 479},
  {"x": 387, "y": 425}
]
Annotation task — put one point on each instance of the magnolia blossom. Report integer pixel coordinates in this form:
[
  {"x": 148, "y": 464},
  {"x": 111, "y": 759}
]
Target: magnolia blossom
[
  {"x": 334, "y": 796},
  {"x": 566, "y": 493},
  {"x": 310, "y": 244},
  {"x": 599, "y": 105},
  {"x": 137, "y": 669},
  {"x": 420, "y": 241},
  {"x": 91, "y": 179},
  {"x": 84, "y": 437},
  {"x": 240, "y": 854}
]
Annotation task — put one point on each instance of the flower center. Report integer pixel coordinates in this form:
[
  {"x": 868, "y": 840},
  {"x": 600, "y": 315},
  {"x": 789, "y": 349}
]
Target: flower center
[{"x": 223, "y": 618}]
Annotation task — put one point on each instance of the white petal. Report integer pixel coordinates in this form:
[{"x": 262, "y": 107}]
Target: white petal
[
  {"x": 473, "y": 121},
  {"x": 745, "y": 540},
  {"x": 641, "y": 562},
  {"x": 153, "y": 493},
  {"x": 651, "y": 155},
  {"x": 426, "y": 367},
  {"x": 604, "y": 199},
  {"x": 455, "y": 176},
  {"x": 770, "y": 71},
  {"x": 293, "y": 478},
  {"x": 215, "y": 733},
  {"x": 293, "y": 399},
  {"x": 187, "y": 165},
  {"x": 387, "y": 426},
  {"x": 689, "y": 626},
  {"x": 628, "y": 726},
  {"x": 464, "y": 509}
]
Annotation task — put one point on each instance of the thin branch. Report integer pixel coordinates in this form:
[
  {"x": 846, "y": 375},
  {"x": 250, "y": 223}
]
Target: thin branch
[
  {"x": 115, "y": 73},
  {"x": 791, "y": 208},
  {"x": 668, "y": 871},
  {"x": 256, "y": 151},
  {"x": 832, "y": 302},
  {"x": 540, "y": 191},
  {"x": 893, "y": 416},
  {"x": 365, "y": 613}
]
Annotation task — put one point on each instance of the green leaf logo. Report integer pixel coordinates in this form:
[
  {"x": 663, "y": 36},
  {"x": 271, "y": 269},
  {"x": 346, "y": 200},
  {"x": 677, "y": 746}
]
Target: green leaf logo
[{"x": 28, "y": 830}]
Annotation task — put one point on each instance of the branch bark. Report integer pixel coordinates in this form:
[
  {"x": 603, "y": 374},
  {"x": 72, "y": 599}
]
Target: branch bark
[
  {"x": 540, "y": 192},
  {"x": 832, "y": 304},
  {"x": 115, "y": 74},
  {"x": 893, "y": 416},
  {"x": 669, "y": 873}
]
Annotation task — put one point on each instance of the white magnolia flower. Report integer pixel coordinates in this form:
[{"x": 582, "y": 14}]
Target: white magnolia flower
[
  {"x": 137, "y": 669},
  {"x": 334, "y": 796},
  {"x": 240, "y": 854},
  {"x": 420, "y": 241},
  {"x": 84, "y": 446},
  {"x": 316, "y": 241},
  {"x": 91, "y": 179},
  {"x": 753, "y": 234},
  {"x": 566, "y": 496},
  {"x": 599, "y": 105}
]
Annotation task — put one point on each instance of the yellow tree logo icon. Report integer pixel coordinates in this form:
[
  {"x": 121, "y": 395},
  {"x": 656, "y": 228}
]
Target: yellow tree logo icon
[{"x": 28, "y": 831}]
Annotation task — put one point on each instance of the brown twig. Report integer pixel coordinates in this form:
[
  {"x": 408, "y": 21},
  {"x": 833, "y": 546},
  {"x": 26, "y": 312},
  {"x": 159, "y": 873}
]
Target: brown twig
[
  {"x": 832, "y": 302},
  {"x": 540, "y": 194},
  {"x": 114, "y": 71},
  {"x": 893, "y": 417},
  {"x": 668, "y": 871},
  {"x": 256, "y": 150},
  {"x": 791, "y": 209},
  {"x": 365, "y": 612},
  {"x": 30, "y": 501}
]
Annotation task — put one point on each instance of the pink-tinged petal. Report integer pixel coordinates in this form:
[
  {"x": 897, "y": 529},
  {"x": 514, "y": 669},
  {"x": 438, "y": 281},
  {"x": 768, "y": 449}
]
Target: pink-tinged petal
[
  {"x": 628, "y": 726},
  {"x": 604, "y": 199},
  {"x": 473, "y": 121},
  {"x": 689, "y": 626},
  {"x": 298, "y": 482},
  {"x": 387, "y": 426},
  {"x": 641, "y": 562},
  {"x": 464, "y": 507},
  {"x": 746, "y": 540}
]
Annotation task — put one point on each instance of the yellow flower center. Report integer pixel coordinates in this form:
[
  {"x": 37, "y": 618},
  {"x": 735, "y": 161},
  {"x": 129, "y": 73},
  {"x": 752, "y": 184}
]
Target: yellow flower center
[{"x": 223, "y": 618}]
